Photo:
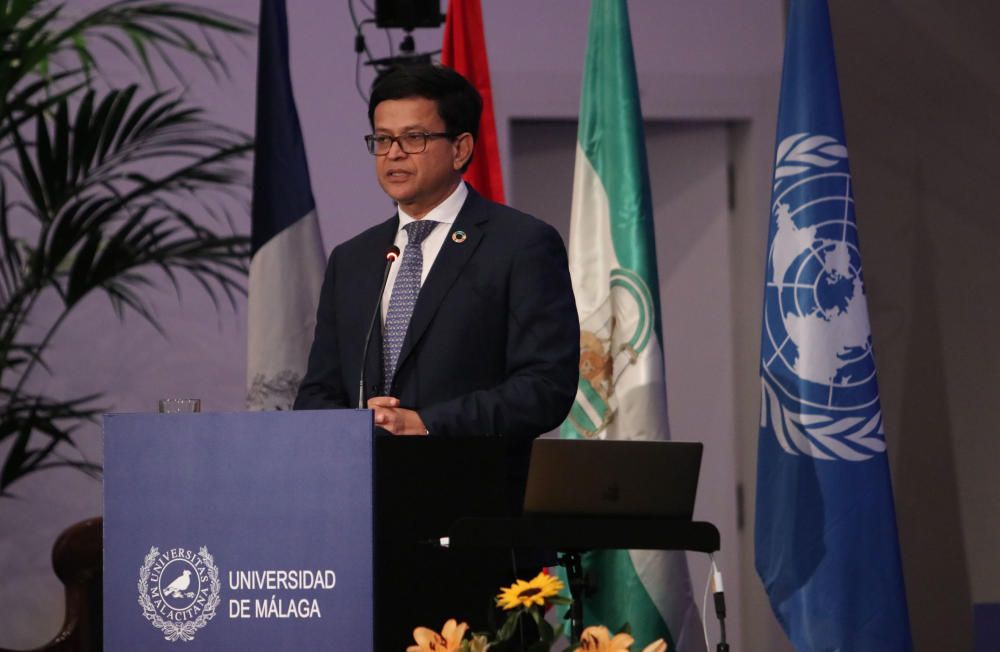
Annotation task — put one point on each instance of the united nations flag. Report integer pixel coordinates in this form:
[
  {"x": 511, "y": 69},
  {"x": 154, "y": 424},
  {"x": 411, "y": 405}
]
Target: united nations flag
[{"x": 825, "y": 542}]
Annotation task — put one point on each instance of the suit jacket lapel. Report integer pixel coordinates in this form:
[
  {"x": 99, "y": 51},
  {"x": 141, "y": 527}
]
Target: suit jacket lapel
[{"x": 447, "y": 267}]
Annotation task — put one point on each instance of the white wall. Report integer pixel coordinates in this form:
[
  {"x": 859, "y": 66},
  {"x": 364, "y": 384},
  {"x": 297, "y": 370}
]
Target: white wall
[{"x": 921, "y": 98}]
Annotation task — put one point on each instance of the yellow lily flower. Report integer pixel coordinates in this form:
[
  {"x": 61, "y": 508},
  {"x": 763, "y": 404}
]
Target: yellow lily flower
[
  {"x": 449, "y": 640},
  {"x": 597, "y": 638}
]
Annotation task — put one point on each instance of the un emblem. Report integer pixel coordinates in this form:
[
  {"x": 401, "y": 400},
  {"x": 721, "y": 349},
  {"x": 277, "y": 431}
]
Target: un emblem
[
  {"x": 819, "y": 390},
  {"x": 179, "y": 591}
]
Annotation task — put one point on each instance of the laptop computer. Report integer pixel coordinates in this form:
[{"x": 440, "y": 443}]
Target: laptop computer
[{"x": 580, "y": 477}]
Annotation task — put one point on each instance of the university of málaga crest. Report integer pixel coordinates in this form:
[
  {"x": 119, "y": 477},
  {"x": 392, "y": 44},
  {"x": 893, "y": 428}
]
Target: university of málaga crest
[
  {"x": 178, "y": 591},
  {"x": 611, "y": 340},
  {"x": 819, "y": 391}
]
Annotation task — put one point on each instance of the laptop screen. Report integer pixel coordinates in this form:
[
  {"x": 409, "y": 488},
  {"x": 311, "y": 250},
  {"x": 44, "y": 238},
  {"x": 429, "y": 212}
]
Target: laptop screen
[{"x": 579, "y": 477}]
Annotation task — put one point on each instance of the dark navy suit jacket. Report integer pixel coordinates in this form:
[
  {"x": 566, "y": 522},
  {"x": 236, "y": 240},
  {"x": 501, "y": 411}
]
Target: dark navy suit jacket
[
  {"x": 493, "y": 344},
  {"x": 492, "y": 349}
]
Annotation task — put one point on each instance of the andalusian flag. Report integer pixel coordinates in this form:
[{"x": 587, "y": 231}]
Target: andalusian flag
[{"x": 622, "y": 392}]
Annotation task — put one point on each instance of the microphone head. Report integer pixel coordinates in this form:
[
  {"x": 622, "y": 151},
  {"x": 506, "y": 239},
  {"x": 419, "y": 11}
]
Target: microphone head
[{"x": 392, "y": 253}]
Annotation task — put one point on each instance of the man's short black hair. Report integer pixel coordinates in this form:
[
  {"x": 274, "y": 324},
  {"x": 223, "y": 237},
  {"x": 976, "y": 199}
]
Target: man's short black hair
[{"x": 458, "y": 102}]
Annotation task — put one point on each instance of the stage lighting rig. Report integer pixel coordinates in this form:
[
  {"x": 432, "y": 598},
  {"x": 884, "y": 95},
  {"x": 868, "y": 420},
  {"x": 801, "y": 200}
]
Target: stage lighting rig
[{"x": 407, "y": 15}]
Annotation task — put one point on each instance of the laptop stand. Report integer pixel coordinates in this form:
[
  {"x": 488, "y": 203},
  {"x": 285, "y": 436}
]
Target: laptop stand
[{"x": 574, "y": 535}]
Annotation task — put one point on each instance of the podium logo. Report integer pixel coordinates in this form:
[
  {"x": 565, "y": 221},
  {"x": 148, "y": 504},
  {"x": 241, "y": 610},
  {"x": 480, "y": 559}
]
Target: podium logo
[{"x": 178, "y": 591}]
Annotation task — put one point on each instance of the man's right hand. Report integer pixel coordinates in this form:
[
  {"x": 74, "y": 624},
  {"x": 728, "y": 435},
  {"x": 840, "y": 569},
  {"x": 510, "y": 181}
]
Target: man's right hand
[{"x": 395, "y": 419}]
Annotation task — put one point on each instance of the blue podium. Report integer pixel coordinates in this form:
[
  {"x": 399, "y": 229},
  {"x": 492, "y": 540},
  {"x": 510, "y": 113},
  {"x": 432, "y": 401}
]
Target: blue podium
[{"x": 243, "y": 531}]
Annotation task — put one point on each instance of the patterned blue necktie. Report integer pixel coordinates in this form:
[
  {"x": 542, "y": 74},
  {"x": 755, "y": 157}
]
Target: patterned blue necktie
[{"x": 404, "y": 297}]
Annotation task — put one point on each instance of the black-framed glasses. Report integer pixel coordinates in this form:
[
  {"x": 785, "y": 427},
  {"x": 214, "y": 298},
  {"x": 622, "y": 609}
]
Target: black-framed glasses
[{"x": 412, "y": 142}]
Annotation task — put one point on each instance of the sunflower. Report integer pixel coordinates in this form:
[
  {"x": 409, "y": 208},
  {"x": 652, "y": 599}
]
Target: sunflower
[{"x": 525, "y": 594}]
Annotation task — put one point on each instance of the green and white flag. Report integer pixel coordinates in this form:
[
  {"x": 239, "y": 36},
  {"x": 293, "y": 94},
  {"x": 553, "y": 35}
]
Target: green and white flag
[{"x": 622, "y": 390}]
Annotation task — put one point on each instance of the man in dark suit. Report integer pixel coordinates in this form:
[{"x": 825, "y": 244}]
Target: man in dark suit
[{"x": 479, "y": 333}]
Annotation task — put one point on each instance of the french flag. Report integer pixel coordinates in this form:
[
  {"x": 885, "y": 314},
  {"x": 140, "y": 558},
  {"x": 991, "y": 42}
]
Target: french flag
[{"x": 287, "y": 259}]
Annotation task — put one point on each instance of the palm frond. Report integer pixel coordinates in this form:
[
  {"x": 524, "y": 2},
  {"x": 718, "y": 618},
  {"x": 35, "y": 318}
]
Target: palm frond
[
  {"x": 160, "y": 26},
  {"x": 119, "y": 191},
  {"x": 103, "y": 213},
  {"x": 35, "y": 34},
  {"x": 29, "y": 419}
]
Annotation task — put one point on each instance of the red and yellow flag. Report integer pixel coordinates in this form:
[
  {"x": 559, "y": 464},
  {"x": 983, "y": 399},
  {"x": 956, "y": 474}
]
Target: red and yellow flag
[{"x": 464, "y": 51}]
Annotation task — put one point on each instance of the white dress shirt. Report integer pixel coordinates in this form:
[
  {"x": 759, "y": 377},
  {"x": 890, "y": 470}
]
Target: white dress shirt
[{"x": 445, "y": 213}]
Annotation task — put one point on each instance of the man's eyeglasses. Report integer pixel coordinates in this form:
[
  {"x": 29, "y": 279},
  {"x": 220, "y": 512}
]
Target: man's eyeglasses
[{"x": 412, "y": 142}]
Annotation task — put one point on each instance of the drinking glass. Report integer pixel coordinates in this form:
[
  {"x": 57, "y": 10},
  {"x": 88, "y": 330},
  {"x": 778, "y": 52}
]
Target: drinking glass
[{"x": 179, "y": 405}]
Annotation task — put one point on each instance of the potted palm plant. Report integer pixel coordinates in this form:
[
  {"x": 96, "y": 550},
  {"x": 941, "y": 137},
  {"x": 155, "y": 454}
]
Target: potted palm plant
[{"x": 103, "y": 190}]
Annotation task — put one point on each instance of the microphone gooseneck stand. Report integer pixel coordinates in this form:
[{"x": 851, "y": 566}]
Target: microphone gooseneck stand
[{"x": 391, "y": 255}]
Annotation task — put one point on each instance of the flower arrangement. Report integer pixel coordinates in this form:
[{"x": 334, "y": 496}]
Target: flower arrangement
[{"x": 525, "y": 601}]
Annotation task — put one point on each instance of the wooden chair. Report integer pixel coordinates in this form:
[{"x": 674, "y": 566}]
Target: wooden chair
[{"x": 76, "y": 558}]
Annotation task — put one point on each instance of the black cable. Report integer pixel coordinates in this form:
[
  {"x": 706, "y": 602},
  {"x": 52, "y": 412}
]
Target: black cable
[
  {"x": 357, "y": 78},
  {"x": 388, "y": 32},
  {"x": 359, "y": 41}
]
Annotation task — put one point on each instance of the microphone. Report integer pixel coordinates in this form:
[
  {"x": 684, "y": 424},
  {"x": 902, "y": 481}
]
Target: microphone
[{"x": 391, "y": 255}]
